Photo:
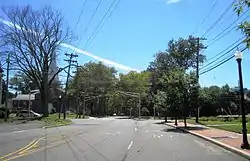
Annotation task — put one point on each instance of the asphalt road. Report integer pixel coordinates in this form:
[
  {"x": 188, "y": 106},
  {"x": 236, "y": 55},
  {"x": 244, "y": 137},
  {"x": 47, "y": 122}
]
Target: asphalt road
[{"x": 109, "y": 139}]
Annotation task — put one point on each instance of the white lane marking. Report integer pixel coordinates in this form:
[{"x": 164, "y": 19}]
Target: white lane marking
[
  {"x": 147, "y": 131},
  {"x": 130, "y": 145},
  {"x": 118, "y": 132},
  {"x": 18, "y": 131},
  {"x": 161, "y": 135},
  {"x": 171, "y": 136},
  {"x": 107, "y": 133},
  {"x": 136, "y": 129}
]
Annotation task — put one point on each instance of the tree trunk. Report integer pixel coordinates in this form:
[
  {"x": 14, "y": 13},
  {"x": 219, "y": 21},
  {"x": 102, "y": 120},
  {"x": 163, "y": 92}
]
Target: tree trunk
[
  {"x": 166, "y": 119},
  {"x": 196, "y": 116},
  {"x": 44, "y": 101},
  {"x": 176, "y": 124},
  {"x": 45, "y": 86},
  {"x": 185, "y": 121}
]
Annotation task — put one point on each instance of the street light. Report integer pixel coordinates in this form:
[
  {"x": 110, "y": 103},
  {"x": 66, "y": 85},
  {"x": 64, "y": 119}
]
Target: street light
[
  {"x": 245, "y": 144},
  {"x": 59, "y": 108}
]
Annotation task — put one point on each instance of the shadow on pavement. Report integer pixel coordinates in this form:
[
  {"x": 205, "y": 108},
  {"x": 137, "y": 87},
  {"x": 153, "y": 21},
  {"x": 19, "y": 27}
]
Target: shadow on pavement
[
  {"x": 162, "y": 122},
  {"x": 194, "y": 128},
  {"x": 125, "y": 117},
  {"x": 175, "y": 130}
]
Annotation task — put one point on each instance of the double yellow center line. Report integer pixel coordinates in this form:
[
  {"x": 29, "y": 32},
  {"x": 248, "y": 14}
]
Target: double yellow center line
[
  {"x": 22, "y": 150},
  {"x": 26, "y": 150}
]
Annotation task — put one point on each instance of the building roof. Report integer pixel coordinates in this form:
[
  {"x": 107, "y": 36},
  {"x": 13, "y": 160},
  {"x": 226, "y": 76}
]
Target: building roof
[{"x": 24, "y": 97}]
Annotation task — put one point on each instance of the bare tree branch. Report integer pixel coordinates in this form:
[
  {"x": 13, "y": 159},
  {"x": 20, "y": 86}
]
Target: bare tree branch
[{"x": 33, "y": 38}]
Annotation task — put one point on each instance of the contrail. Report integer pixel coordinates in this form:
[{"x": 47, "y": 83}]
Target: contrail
[{"x": 105, "y": 61}]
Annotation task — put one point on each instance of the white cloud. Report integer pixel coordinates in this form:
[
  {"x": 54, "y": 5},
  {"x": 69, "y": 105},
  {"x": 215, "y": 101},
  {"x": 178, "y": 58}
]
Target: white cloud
[
  {"x": 105, "y": 61},
  {"x": 173, "y": 1}
]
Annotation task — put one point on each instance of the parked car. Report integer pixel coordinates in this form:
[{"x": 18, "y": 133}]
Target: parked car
[
  {"x": 28, "y": 114},
  {"x": 2, "y": 112}
]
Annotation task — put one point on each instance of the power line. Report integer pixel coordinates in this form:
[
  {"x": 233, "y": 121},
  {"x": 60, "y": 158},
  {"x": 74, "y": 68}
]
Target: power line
[
  {"x": 221, "y": 56},
  {"x": 221, "y": 35},
  {"x": 221, "y": 63},
  {"x": 219, "y": 19},
  {"x": 218, "y": 56},
  {"x": 90, "y": 20},
  {"x": 80, "y": 15},
  {"x": 79, "y": 18},
  {"x": 101, "y": 24},
  {"x": 206, "y": 16}
]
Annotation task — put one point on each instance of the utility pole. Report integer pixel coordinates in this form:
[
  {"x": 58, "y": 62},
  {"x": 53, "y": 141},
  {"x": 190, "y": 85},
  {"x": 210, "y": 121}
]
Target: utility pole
[
  {"x": 1, "y": 84},
  {"x": 97, "y": 105},
  {"x": 153, "y": 91},
  {"x": 70, "y": 61},
  {"x": 84, "y": 108},
  {"x": 197, "y": 76},
  {"x": 7, "y": 88},
  {"x": 139, "y": 106}
]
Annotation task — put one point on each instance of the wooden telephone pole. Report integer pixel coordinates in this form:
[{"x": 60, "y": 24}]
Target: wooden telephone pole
[{"x": 70, "y": 61}]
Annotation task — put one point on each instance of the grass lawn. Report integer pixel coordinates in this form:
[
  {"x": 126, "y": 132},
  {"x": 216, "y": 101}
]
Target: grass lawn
[
  {"x": 235, "y": 128},
  {"x": 233, "y": 125},
  {"x": 53, "y": 120},
  {"x": 1, "y": 121}
]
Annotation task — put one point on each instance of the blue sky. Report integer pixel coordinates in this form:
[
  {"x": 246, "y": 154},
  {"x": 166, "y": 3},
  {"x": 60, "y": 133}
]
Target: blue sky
[{"x": 140, "y": 28}]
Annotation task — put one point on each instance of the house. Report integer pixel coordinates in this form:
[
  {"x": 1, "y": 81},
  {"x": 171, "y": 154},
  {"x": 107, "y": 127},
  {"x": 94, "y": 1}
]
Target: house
[{"x": 21, "y": 101}]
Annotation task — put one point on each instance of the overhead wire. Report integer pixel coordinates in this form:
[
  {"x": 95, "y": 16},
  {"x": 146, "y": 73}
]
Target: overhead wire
[
  {"x": 221, "y": 63},
  {"x": 90, "y": 20},
  {"x": 206, "y": 16},
  {"x": 102, "y": 22},
  {"x": 219, "y": 19},
  {"x": 221, "y": 35},
  {"x": 80, "y": 15},
  {"x": 220, "y": 54}
]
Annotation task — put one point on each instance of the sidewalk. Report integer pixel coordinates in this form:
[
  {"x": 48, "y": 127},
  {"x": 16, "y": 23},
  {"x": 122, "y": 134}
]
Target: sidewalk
[{"x": 228, "y": 140}]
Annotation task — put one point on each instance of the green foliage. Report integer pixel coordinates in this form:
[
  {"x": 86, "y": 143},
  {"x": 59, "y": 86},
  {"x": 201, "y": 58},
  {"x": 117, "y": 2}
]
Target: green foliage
[
  {"x": 239, "y": 7},
  {"x": 144, "y": 111},
  {"x": 93, "y": 79},
  {"x": 21, "y": 82},
  {"x": 168, "y": 87},
  {"x": 173, "y": 87}
]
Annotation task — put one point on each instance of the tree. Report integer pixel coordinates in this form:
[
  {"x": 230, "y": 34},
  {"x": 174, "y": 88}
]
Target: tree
[
  {"x": 136, "y": 83},
  {"x": 21, "y": 82},
  {"x": 184, "y": 52},
  {"x": 170, "y": 81},
  {"x": 93, "y": 79},
  {"x": 240, "y": 6},
  {"x": 32, "y": 39}
]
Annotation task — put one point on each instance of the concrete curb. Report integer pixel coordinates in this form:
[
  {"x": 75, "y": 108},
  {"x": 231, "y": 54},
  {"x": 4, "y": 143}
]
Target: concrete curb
[
  {"x": 45, "y": 127},
  {"x": 225, "y": 146}
]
